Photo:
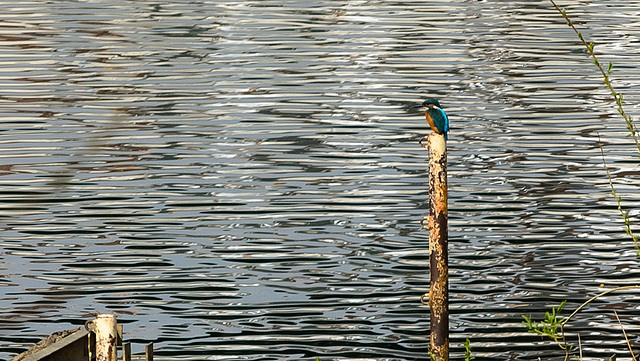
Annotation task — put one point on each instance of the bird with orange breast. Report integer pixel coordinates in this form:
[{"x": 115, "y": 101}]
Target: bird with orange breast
[{"x": 436, "y": 117}]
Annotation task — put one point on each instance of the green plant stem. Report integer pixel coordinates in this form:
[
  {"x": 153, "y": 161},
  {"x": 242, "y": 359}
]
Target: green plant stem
[
  {"x": 627, "y": 118},
  {"x": 605, "y": 74},
  {"x": 564, "y": 322},
  {"x": 580, "y": 347},
  {"x": 467, "y": 350},
  {"x": 549, "y": 328},
  {"x": 625, "y": 336},
  {"x": 623, "y": 213}
]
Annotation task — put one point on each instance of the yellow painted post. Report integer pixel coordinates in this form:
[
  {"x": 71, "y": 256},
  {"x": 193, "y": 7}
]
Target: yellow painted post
[{"x": 437, "y": 224}]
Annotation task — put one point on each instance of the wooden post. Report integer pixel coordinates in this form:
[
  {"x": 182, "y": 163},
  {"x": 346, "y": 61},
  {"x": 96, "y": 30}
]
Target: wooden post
[
  {"x": 120, "y": 328},
  {"x": 148, "y": 351},
  {"x": 126, "y": 351},
  {"x": 437, "y": 224},
  {"x": 106, "y": 338}
]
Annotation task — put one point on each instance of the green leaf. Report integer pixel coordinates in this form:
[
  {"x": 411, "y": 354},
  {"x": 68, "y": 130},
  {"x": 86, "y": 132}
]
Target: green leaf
[
  {"x": 467, "y": 350},
  {"x": 610, "y": 67},
  {"x": 561, "y": 305}
]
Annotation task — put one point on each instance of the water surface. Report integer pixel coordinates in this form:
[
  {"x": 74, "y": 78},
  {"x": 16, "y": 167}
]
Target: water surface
[{"x": 243, "y": 180}]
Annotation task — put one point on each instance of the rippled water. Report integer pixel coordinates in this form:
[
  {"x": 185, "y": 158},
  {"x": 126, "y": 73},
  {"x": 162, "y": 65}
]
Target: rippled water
[{"x": 243, "y": 180}]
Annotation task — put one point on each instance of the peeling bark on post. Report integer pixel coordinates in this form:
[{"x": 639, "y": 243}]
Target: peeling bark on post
[
  {"x": 437, "y": 224},
  {"x": 106, "y": 338}
]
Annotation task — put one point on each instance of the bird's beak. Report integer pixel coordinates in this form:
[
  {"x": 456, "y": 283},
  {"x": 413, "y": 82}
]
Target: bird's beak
[{"x": 418, "y": 106}]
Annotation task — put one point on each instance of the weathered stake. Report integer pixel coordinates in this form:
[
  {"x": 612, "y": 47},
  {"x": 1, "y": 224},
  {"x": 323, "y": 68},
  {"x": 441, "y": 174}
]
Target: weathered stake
[
  {"x": 106, "y": 338},
  {"x": 437, "y": 224},
  {"x": 126, "y": 351},
  {"x": 148, "y": 352}
]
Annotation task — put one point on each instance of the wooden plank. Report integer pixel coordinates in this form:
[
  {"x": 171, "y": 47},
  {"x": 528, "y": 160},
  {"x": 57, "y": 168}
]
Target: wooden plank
[{"x": 71, "y": 347}]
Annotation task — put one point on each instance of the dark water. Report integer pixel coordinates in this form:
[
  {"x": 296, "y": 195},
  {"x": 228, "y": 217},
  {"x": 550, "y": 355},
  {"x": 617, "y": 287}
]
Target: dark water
[{"x": 243, "y": 180}]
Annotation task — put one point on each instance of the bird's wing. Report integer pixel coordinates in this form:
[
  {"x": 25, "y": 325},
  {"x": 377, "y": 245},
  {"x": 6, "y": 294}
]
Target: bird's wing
[
  {"x": 446, "y": 121},
  {"x": 440, "y": 119}
]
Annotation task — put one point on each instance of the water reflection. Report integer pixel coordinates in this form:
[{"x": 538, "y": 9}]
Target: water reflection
[{"x": 243, "y": 180}]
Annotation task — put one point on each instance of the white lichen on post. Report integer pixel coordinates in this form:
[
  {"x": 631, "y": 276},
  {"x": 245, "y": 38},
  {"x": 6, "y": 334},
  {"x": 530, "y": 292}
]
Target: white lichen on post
[
  {"x": 106, "y": 338},
  {"x": 437, "y": 224}
]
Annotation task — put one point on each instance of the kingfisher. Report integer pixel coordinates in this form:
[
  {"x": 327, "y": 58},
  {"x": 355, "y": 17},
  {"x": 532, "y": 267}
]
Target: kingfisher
[{"x": 436, "y": 117}]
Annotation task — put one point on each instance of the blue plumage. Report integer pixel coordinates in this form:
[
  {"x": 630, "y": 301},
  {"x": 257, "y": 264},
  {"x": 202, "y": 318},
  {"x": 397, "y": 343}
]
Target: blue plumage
[{"x": 436, "y": 117}]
